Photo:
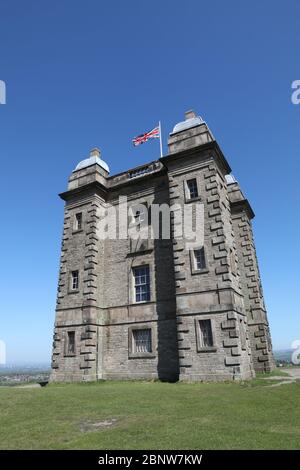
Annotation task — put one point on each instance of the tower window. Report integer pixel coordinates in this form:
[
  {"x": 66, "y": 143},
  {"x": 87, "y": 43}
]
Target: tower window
[
  {"x": 139, "y": 217},
  {"x": 78, "y": 221},
  {"x": 74, "y": 280},
  {"x": 142, "y": 283},
  {"x": 200, "y": 262},
  {"x": 141, "y": 214},
  {"x": 71, "y": 342},
  {"x": 192, "y": 188},
  {"x": 142, "y": 341},
  {"x": 206, "y": 336}
]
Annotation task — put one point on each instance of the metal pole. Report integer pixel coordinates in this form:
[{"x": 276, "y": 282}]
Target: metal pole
[{"x": 160, "y": 141}]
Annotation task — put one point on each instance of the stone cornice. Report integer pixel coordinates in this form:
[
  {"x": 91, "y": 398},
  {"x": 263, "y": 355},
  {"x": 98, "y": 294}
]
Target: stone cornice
[
  {"x": 94, "y": 186},
  {"x": 242, "y": 206},
  {"x": 194, "y": 150}
]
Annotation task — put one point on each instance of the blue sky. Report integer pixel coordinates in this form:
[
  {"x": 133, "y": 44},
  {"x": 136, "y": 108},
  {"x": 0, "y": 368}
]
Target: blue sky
[{"x": 94, "y": 73}]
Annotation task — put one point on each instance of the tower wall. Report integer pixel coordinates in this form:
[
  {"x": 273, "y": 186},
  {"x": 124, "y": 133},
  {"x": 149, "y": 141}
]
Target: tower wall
[
  {"x": 260, "y": 338},
  {"x": 102, "y": 312},
  {"x": 80, "y": 310},
  {"x": 213, "y": 294},
  {"x": 123, "y": 314}
]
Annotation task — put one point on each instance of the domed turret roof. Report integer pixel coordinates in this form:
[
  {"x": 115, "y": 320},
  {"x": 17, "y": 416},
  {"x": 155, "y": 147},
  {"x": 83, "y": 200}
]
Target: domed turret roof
[
  {"x": 93, "y": 159},
  {"x": 191, "y": 120}
]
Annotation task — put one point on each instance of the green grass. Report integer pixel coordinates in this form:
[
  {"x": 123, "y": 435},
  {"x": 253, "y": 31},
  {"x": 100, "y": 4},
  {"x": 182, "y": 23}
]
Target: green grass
[
  {"x": 152, "y": 415},
  {"x": 275, "y": 373}
]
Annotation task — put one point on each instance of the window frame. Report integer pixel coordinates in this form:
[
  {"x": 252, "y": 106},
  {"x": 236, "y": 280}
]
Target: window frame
[
  {"x": 75, "y": 222},
  {"x": 134, "y": 268},
  {"x": 200, "y": 347},
  {"x": 187, "y": 194},
  {"x": 139, "y": 214},
  {"x": 139, "y": 217},
  {"x": 193, "y": 261},
  {"x": 139, "y": 222},
  {"x": 68, "y": 353},
  {"x": 71, "y": 289},
  {"x": 132, "y": 354},
  {"x": 243, "y": 335},
  {"x": 136, "y": 341},
  {"x": 192, "y": 187}
]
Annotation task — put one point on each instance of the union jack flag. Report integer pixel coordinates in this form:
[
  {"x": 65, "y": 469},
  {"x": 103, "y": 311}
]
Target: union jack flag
[{"x": 141, "y": 139}]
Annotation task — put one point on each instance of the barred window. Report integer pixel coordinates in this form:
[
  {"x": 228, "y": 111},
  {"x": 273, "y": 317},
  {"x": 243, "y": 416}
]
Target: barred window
[
  {"x": 142, "y": 341},
  {"x": 71, "y": 342},
  {"x": 206, "y": 336},
  {"x": 142, "y": 283},
  {"x": 192, "y": 188},
  {"x": 78, "y": 221},
  {"x": 74, "y": 280},
  {"x": 200, "y": 258}
]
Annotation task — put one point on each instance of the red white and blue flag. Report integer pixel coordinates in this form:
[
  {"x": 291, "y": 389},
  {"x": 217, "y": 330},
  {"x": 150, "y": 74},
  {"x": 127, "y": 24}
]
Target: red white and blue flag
[{"x": 141, "y": 139}]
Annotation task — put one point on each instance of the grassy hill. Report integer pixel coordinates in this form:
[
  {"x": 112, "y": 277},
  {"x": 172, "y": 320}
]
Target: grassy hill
[{"x": 151, "y": 415}]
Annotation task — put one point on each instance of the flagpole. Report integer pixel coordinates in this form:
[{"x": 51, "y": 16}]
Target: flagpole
[{"x": 160, "y": 140}]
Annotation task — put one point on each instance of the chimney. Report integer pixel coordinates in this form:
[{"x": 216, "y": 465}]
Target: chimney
[
  {"x": 95, "y": 152},
  {"x": 190, "y": 114}
]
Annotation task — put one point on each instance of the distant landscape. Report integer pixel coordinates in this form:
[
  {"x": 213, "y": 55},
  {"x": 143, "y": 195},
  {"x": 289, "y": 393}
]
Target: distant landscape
[
  {"x": 18, "y": 374},
  {"x": 284, "y": 357}
]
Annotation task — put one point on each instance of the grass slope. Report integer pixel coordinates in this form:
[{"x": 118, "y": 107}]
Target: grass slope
[{"x": 152, "y": 415}]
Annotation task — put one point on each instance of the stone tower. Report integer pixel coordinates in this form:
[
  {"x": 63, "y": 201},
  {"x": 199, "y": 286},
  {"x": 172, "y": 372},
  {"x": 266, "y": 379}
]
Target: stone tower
[{"x": 143, "y": 308}]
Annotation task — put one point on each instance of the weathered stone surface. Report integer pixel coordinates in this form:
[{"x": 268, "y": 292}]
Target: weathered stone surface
[{"x": 102, "y": 313}]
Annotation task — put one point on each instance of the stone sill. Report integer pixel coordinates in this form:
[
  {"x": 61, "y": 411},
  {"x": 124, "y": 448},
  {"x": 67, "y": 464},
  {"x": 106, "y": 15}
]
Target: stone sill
[
  {"x": 139, "y": 252},
  {"x": 207, "y": 350},
  {"x": 200, "y": 271},
  {"x": 194, "y": 199},
  {"x": 141, "y": 356}
]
